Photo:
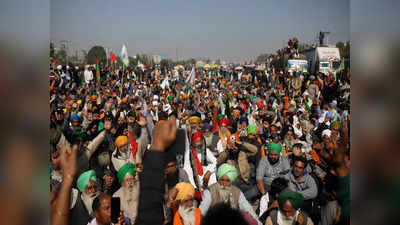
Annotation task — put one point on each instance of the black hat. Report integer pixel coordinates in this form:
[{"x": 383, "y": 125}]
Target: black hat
[
  {"x": 131, "y": 114},
  {"x": 108, "y": 115}
]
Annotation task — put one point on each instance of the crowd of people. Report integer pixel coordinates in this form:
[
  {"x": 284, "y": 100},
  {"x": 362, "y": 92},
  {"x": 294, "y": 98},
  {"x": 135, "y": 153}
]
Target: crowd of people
[{"x": 259, "y": 146}]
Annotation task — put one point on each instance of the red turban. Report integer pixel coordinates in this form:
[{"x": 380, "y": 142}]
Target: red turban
[
  {"x": 196, "y": 136},
  {"x": 224, "y": 121}
]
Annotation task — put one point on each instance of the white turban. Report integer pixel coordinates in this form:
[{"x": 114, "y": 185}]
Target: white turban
[{"x": 326, "y": 132}]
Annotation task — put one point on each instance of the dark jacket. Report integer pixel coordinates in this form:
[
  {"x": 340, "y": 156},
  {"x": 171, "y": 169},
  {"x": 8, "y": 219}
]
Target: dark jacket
[{"x": 150, "y": 210}]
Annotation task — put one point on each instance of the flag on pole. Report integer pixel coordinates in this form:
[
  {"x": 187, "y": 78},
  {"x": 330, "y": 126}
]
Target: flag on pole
[
  {"x": 112, "y": 57},
  {"x": 191, "y": 77},
  {"x": 165, "y": 82},
  {"x": 124, "y": 56},
  {"x": 97, "y": 70}
]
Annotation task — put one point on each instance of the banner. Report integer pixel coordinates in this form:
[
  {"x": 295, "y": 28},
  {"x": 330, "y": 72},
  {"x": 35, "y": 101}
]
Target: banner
[{"x": 124, "y": 56}]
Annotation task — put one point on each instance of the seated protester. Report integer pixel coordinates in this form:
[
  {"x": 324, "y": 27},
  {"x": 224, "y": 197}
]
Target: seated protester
[
  {"x": 242, "y": 127},
  {"x": 185, "y": 212},
  {"x": 289, "y": 213},
  {"x": 173, "y": 175},
  {"x": 300, "y": 180},
  {"x": 288, "y": 140},
  {"x": 246, "y": 162},
  {"x": 73, "y": 126},
  {"x": 110, "y": 183},
  {"x": 224, "y": 191},
  {"x": 235, "y": 118},
  {"x": 199, "y": 163},
  {"x": 271, "y": 167},
  {"x": 102, "y": 212},
  {"x": 208, "y": 136},
  {"x": 81, "y": 205},
  {"x": 129, "y": 191},
  {"x": 222, "y": 135},
  {"x": 277, "y": 186},
  {"x": 266, "y": 128}
]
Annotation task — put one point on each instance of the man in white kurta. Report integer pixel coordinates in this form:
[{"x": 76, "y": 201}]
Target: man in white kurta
[{"x": 196, "y": 166}]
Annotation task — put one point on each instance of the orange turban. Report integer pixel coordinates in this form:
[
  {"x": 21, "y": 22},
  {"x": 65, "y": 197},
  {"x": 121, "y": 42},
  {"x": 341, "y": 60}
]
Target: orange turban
[
  {"x": 184, "y": 190},
  {"x": 93, "y": 97},
  {"x": 124, "y": 100},
  {"x": 121, "y": 140},
  {"x": 236, "y": 112}
]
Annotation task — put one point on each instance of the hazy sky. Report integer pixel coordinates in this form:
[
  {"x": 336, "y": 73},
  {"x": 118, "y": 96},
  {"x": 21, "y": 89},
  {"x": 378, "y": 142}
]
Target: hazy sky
[{"x": 228, "y": 29}]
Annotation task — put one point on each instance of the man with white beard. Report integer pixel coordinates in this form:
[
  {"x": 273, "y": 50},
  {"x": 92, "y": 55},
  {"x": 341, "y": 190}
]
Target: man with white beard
[
  {"x": 129, "y": 192},
  {"x": 208, "y": 137},
  {"x": 288, "y": 140},
  {"x": 289, "y": 212},
  {"x": 223, "y": 135},
  {"x": 224, "y": 191},
  {"x": 199, "y": 163},
  {"x": 81, "y": 211},
  {"x": 122, "y": 154},
  {"x": 186, "y": 214}
]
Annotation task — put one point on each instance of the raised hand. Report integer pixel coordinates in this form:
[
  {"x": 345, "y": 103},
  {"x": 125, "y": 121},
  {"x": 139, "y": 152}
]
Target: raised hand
[
  {"x": 164, "y": 135},
  {"x": 68, "y": 161}
]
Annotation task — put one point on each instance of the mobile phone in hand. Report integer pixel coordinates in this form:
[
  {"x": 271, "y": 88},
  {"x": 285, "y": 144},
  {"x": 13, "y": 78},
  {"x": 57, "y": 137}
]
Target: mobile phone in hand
[{"x": 115, "y": 209}]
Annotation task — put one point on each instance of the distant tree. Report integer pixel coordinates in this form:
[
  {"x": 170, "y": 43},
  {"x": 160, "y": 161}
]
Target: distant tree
[
  {"x": 344, "y": 49},
  {"x": 192, "y": 61},
  {"x": 167, "y": 63},
  {"x": 97, "y": 52},
  {"x": 303, "y": 46},
  {"x": 61, "y": 56},
  {"x": 132, "y": 61},
  {"x": 52, "y": 51},
  {"x": 262, "y": 58},
  {"x": 85, "y": 56}
]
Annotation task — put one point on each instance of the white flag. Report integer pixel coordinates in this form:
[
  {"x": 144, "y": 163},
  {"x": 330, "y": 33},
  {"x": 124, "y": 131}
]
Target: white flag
[
  {"x": 191, "y": 77},
  {"x": 240, "y": 76},
  {"x": 124, "y": 55},
  {"x": 165, "y": 82}
]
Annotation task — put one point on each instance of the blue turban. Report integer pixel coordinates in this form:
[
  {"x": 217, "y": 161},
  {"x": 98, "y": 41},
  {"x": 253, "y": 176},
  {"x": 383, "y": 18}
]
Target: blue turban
[
  {"x": 244, "y": 119},
  {"x": 206, "y": 126},
  {"x": 75, "y": 117}
]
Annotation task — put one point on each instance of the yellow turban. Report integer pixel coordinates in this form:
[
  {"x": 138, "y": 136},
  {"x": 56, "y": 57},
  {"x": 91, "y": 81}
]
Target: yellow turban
[
  {"x": 121, "y": 140},
  {"x": 236, "y": 111},
  {"x": 194, "y": 119},
  {"x": 184, "y": 189}
]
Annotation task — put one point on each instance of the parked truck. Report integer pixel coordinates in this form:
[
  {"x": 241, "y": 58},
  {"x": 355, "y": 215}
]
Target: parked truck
[{"x": 322, "y": 59}]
